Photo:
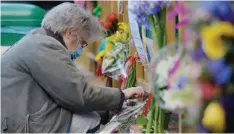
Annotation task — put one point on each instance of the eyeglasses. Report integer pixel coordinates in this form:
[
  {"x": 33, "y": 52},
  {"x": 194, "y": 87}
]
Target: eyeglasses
[{"x": 84, "y": 43}]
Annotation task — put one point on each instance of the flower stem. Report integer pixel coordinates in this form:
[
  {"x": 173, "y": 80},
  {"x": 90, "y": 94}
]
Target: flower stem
[
  {"x": 158, "y": 24},
  {"x": 156, "y": 118},
  {"x": 151, "y": 116},
  {"x": 162, "y": 114}
]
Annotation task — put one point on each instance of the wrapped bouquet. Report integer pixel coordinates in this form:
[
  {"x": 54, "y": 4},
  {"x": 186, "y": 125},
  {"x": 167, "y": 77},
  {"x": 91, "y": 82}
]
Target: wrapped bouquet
[
  {"x": 200, "y": 82},
  {"x": 115, "y": 52}
]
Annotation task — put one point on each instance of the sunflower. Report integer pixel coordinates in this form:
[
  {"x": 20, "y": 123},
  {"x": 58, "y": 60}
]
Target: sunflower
[
  {"x": 213, "y": 43},
  {"x": 214, "y": 117}
]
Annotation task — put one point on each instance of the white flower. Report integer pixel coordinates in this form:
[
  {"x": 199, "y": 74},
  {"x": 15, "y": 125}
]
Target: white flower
[
  {"x": 162, "y": 70},
  {"x": 177, "y": 100},
  {"x": 191, "y": 65}
]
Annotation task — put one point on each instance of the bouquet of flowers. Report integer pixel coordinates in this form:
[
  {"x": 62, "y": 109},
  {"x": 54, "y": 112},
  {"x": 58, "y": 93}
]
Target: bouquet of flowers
[
  {"x": 110, "y": 26},
  {"x": 212, "y": 49},
  {"x": 200, "y": 82},
  {"x": 115, "y": 52}
]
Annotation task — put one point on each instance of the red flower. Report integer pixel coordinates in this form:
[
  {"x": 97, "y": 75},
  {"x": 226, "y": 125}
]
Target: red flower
[
  {"x": 208, "y": 89},
  {"x": 112, "y": 17},
  {"x": 107, "y": 25}
]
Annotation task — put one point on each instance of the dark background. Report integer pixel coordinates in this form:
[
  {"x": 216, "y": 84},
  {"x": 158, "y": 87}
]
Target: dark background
[{"x": 47, "y": 5}]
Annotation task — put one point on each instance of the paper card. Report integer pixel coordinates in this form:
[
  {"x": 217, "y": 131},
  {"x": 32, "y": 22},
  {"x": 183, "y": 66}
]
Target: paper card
[
  {"x": 150, "y": 48},
  {"x": 120, "y": 6},
  {"x": 148, "y": 45},
  {"x": 147, "y": 56},
  {"x": 135, "y": 33}
]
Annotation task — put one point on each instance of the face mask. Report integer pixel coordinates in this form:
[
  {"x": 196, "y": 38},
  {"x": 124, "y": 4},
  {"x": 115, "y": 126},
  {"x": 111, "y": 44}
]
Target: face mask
[{"x": 76, "y": 53}]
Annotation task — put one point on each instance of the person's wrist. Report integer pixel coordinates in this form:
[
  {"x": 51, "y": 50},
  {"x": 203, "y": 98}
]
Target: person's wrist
[
  {"x": 126, "y": 96},
  {"x": 122, "y": 98}
]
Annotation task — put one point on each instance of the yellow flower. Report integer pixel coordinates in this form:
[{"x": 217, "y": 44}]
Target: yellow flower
[
  {"x": 122, "y": 35},
  {"x": 214, "y": 117},
  {"x": 213, "y": 44},
  {"x": 123, "y": 32},
  {"x": 123, "y": 27},
  {"x": 109, "y": 47},
  {"x": 100, "y": 55}
]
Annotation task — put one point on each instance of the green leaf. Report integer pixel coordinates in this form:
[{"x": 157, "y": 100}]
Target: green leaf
[{"x": 141, "y": 120}]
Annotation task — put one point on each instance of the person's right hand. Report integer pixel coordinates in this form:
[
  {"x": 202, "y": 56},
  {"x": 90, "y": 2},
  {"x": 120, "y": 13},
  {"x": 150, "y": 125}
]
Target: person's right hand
[{"x": 133, "y": 92}]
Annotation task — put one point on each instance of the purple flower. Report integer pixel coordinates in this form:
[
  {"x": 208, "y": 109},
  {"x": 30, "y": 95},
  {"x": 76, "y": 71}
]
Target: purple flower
[
  {"x": 182, "y": 82},
  {"x": 169, "y": 4},
  {"x": 153, "y": 7},
  {"x": 220, "y": 9},
  {"x": 143, "y": 8},
  {"x": 198, "y": 54},
  {"x": 203, "y": 129},
  {"x": 142, "y": 20},
  {"x": 221, "y": 72},
  {"x": 149, "y": 7},
  {"x": 135, "y": 8},
  {"x": 163, "y": 4}
]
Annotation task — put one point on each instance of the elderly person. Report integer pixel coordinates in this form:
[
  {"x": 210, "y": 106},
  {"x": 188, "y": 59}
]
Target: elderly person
[{"x": 42, "y": 89}]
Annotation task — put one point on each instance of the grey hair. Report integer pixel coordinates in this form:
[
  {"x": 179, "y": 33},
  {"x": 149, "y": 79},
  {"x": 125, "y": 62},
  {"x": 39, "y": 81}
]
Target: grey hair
[{"x": 69, "y": 15}]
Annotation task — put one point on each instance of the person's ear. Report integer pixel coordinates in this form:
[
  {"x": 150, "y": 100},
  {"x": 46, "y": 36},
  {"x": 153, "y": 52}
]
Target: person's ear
[{"x": 68, "y": 33}]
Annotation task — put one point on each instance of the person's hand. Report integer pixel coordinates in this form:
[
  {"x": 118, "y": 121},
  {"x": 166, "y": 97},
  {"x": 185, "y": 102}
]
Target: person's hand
[{"x": 133, "y": 92}]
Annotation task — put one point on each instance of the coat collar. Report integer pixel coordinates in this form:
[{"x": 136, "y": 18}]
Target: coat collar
[{"x": 55, "y": 36}]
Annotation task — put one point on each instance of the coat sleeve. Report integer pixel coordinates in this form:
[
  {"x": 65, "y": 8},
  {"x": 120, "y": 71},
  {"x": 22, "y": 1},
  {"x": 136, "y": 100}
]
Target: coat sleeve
[{"x": 55, "y": 72}]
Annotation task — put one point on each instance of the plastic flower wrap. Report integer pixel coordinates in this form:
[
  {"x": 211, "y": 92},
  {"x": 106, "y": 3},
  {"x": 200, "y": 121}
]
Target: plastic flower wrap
[
  {"x": 171, "y": 76},
  {"x": 171, "y": 91},
  {"x": 113, "y": 60}
]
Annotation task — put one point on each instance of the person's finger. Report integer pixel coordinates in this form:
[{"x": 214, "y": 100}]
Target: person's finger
[
  {"x": 135, "y": 96},
  {"x": 141, "y": 95},
  {"x": 143, "y": 92}
]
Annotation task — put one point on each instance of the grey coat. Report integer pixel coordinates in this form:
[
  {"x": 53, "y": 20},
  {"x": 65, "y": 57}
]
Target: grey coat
[{"x": 42, "y": 87}]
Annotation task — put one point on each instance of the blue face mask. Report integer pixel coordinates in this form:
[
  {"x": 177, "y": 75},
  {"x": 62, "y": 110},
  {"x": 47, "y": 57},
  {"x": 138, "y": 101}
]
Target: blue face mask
[{"x": 76, "y": 53}]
